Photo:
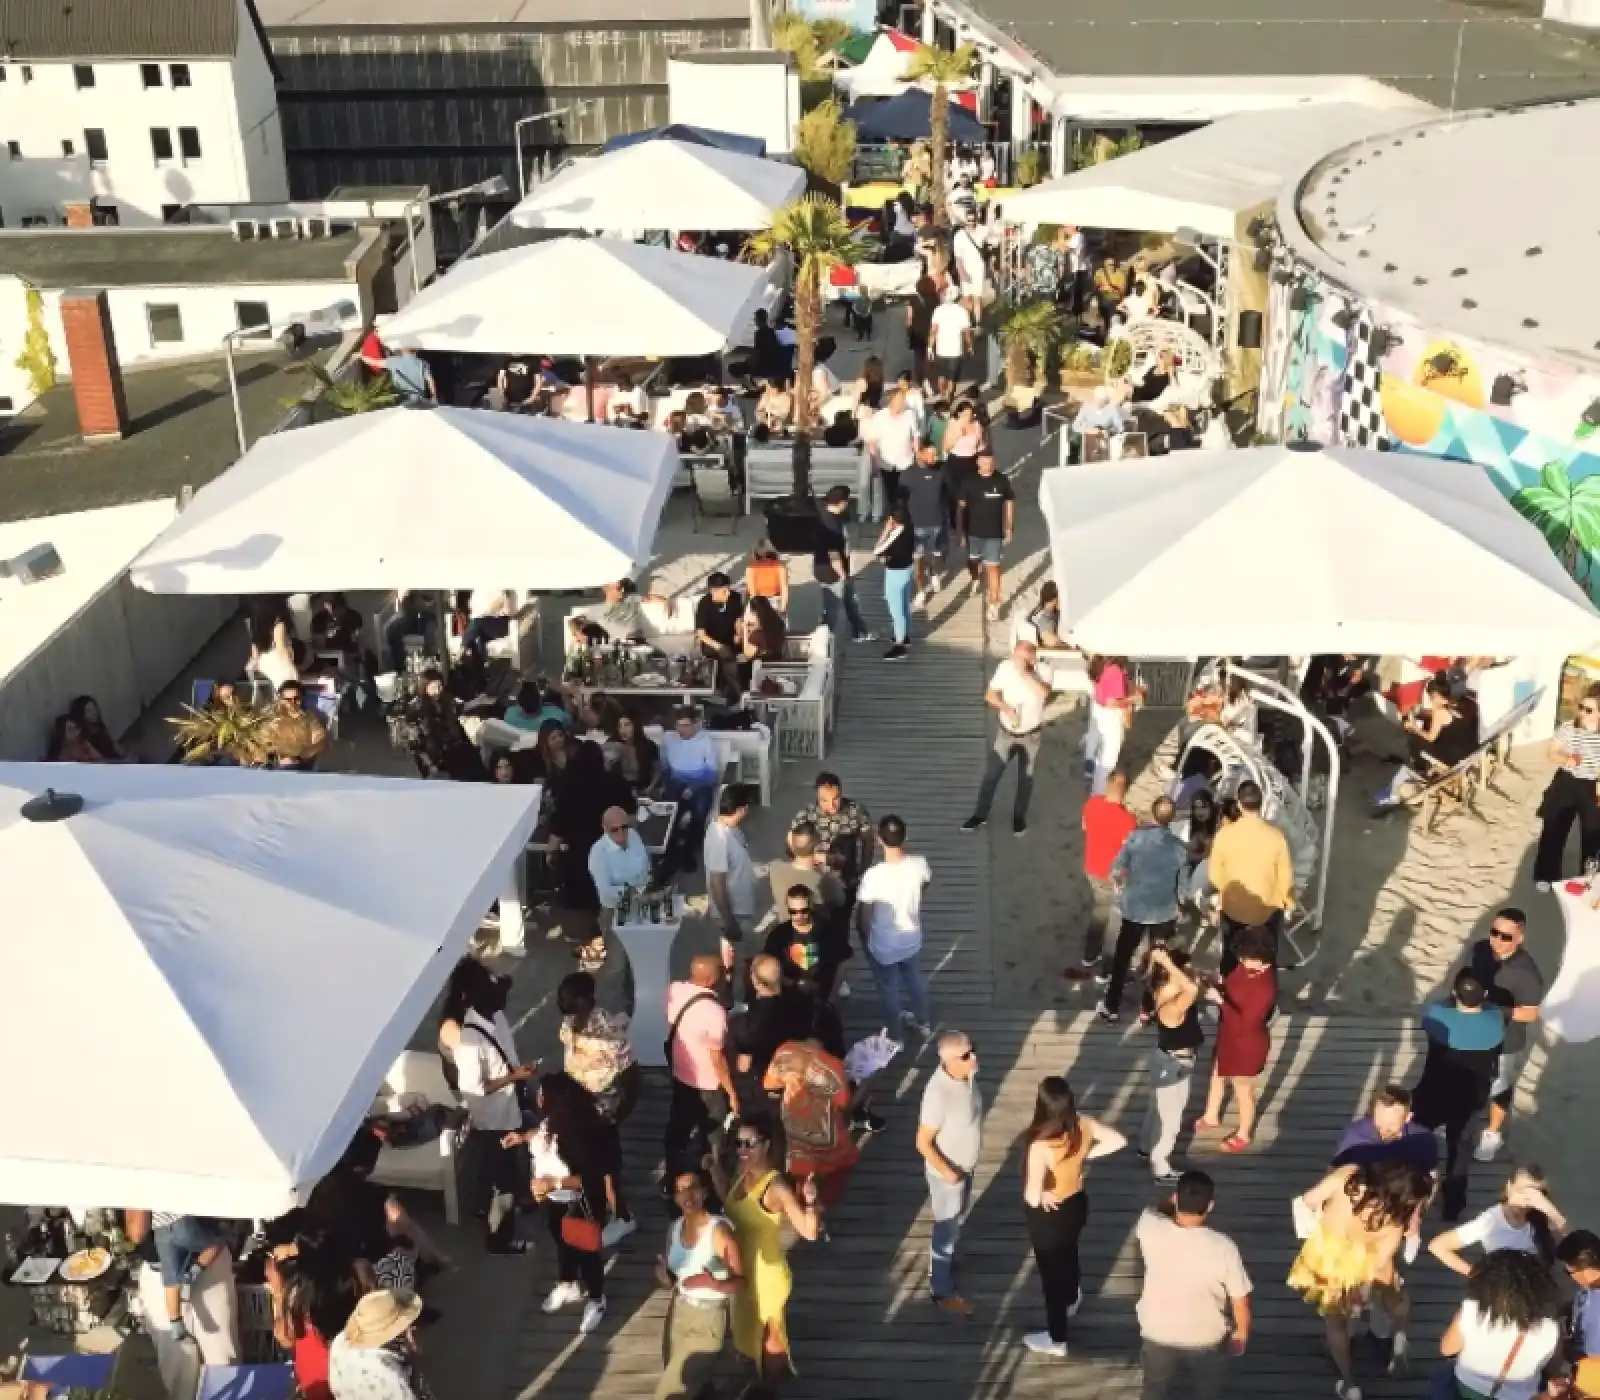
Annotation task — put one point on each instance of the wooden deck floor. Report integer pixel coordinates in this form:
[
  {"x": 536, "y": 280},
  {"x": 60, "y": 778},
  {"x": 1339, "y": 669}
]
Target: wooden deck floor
[{"x": 911, "y": 740}]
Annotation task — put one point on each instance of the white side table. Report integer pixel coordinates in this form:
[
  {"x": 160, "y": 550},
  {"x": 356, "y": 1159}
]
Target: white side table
[{"x": 649, "y": 950}]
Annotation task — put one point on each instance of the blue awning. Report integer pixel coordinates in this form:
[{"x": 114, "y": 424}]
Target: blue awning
[{"x": 908, "y": 118}]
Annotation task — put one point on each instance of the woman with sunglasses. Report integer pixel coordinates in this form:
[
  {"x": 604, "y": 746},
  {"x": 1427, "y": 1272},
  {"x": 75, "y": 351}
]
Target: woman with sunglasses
[
  {"x": 1571, "y": 796},
  {"x": 759, "y": 1200},
  {"x": 1060, "y": 1144},
  {"x": 703, "y": 1268}
]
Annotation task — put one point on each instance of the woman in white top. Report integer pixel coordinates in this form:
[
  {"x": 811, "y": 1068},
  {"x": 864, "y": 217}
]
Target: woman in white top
[
  {"x": 272, "y": 651},
  {"x": 1505, "y": 1333},
  {"x": 1525, "y": 1220},
  {"x": 703, "y": 1269},
  {"x": 1572, "y": 794}
]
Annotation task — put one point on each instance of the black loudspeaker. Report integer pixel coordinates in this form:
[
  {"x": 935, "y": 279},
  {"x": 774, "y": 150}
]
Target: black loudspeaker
[{"x": 1249, "y": 330}]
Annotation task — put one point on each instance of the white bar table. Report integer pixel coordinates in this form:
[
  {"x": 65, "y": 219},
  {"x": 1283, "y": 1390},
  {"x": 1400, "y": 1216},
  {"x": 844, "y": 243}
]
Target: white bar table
[{"x": 649, "y": 950}]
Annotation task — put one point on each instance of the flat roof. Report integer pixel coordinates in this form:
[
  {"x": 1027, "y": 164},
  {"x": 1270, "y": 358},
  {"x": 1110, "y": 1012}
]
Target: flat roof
[
  {"x": 181, "y": 434},
  {"x": 1473, "y": 224},
  {"x": 87, "y": 29},
  {"x": 409, "y": 14},
  {"x": 180, "y": 255},
  {"x": 96, "y": 547},
  {"x": 1408, "y": 44}
]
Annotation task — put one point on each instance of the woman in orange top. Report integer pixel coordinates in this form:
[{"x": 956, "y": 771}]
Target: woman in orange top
[
  {"x": 766, "y": 576},
  {"x": 815, "y": 1111}
]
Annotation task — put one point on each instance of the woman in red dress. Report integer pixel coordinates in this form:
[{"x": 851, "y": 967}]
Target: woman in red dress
[{"x": 1248, "y": 996}]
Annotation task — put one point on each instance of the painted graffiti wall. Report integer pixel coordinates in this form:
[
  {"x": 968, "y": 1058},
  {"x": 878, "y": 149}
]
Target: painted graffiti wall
[{"x": 1355, "y": 374}]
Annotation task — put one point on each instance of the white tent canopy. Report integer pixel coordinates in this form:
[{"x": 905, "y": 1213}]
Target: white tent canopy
[
  {"x": 214, "y": 968},
  {"x": 1128, "y": 99},
  {"x": 582, "y": 296},
  {"x": 1205, "y": 179},
  {"x": 663, "y": 185},
  {"x": 1284, "y": 551},
  {"x": 420, "y": 498}
]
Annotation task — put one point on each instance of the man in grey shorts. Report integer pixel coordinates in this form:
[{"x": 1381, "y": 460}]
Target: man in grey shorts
[{"x": 927, "y": 497}]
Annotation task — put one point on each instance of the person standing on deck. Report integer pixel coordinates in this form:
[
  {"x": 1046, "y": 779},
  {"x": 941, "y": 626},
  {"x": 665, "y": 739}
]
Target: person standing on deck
[{"x": 950, "y": 1139}]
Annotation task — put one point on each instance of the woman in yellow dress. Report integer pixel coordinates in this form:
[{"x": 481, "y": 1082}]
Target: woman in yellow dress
[
  {"x": 1362, "y": 1214},
  {"x": 757, "y": 1201}
]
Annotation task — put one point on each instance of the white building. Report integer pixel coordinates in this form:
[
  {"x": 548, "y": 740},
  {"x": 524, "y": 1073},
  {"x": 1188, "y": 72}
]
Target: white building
[
  {"x": 122, "y": 113},
  {"x": 179, "y": 292}
]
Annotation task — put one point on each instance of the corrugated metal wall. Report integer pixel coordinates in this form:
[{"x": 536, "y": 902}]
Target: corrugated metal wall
[{"x": 440, "y": 107}]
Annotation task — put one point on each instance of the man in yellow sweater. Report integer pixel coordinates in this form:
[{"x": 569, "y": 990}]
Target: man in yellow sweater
[{"x": 1252, "y": 873}]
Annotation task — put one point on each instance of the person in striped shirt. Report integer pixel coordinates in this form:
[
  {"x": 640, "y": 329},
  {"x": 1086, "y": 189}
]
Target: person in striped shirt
[{"x": 1573, "y": 794}]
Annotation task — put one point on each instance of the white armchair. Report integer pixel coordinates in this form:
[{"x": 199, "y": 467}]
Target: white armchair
[{"x": 432, "y": 1165}]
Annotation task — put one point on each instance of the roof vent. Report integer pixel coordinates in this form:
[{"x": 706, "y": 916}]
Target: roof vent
[
  {"x": 1529, "y": 323},
  {"x": 1458, "y": 272},
  {"x": 52, "y": 806},
  {"x": 1469, "y": 304},
  {"x": 1533, "y": 252}
]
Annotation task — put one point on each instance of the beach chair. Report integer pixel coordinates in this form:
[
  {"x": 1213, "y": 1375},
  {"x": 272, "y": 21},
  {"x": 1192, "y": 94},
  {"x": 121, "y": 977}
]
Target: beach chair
[
  {"x": 273, "y": 1381},
  {"x": 711, "y": 493},
  {"x": 76, "y": 1371},
  {"x": 1456, "y": 790}
]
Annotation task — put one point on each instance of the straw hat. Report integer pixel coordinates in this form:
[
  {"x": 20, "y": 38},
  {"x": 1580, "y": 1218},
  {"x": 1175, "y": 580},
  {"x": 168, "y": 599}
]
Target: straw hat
[{"x": 379, "y": 1318}]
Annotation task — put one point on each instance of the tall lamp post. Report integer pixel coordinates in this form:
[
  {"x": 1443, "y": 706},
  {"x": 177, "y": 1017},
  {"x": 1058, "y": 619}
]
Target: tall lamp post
[
  {"x": 516, "y": 134},
  {"x": 485, "y": 189},
  {"x": 289, "y": 333}
]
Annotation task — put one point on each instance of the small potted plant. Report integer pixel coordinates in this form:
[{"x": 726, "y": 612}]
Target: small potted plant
[
  {"x": 233, "y": 734},
  {"x": 1028, "y": 333},
  {"x": 1080, "y": 368}
]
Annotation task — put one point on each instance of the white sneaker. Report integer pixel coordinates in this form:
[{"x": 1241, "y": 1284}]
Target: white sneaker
[
  {"x": 1543, "y": 886},
  {"x": 920, "y": 598},
  {"x": 867, "y": 637},
  {"x": 1040, "y": 1342},
  {"x": 593, "y": 1311},
  {"x": 1488, "y": 1145},
  {"x": 842, "y": 990},
  {"x": 935, "y": 584},
  {"x": 1076, "y": 1304},
  {"x": 561, "y": 1295},
  {"x": 616, "y": 1231}
]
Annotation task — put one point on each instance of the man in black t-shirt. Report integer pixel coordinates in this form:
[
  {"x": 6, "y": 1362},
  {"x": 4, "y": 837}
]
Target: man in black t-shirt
[
  {"x": 927, "y": 497},
  {"x": 919, "y": 324},
  {"x": 986, "y": 514},
  {"x": 1515, "y": 984},
  {"x": 716, "y": 629},
  {"x": 830, "y": 565}
]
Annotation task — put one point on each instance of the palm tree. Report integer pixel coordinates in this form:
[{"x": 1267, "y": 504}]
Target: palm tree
[
  {"x": 1567, "y": 514},
  {"x": 825, "y": 144},
  {"x": 816, "y": 235},
  {"x": 238, "y": 732},
  {"x": 344, "y": 396},
  {"x": 940, "y": 67},
  {"x": 1028, "y": 331}
]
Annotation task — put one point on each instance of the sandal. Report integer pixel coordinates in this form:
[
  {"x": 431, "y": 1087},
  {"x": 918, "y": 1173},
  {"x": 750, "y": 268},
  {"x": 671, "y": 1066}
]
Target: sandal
[
  {"x": 1205, "y": 1125},
  {"x": 1235, "y": 1143}
]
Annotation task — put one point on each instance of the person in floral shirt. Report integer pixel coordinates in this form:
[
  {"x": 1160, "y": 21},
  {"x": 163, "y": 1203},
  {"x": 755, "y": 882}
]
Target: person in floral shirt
[{"x": 598, "y": 1056}]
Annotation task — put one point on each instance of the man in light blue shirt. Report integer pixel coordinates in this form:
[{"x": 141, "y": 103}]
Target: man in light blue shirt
[
  {"x": 411, "y": 377},
  {"x": 689, "y": 756},
  {"x": 1100, "y": 415},
  {"x": 1147, "y": 876},
  {"x": 618, "y": 860}
]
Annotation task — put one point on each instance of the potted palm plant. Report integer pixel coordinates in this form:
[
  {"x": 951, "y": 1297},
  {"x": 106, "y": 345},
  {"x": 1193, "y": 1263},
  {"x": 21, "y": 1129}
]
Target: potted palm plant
[
  {"x": 223, "y": 734},
  {"x": 344, "y": 396},
  {"x": 941, "y": 67},
  {"x": 1028, "y": 332},
  {"x": 817, "y": 237}
]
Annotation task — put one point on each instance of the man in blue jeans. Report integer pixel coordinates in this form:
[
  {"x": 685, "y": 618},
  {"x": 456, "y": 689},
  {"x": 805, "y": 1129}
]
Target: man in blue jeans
[
  {"x": 690, "y": 773},
  {"x": 889, "y": 918},
  {"x": 950, "y": 1137},
  {"x": 831, "y": 566}
]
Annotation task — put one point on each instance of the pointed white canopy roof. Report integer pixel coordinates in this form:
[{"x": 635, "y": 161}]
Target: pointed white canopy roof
[
  {"x": 582, "y": 296},
  {"x": 1284, "y": 551},
  {"x": 420, "y": 498},
  {"x": 212, "y": 969},
  {"x": 663, "y": 185}
]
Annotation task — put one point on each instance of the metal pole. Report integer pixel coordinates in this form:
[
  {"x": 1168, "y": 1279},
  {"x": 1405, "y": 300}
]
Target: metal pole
[
  {"x": 233, "y": 390},
  {"x": 411, "y": 245},
  {"x": 522, "y": 170},
  {"x": 1455, "y": 72}
]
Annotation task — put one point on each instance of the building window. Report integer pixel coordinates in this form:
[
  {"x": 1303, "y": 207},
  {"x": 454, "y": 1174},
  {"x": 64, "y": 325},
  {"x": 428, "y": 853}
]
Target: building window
[
  {"x": 252, "y": 316},
  {"x": 166, "y": 325},
  {"x": 170, "y": 212},
  {"x": 83, "y": 75},
  {"x": 3, "y": 73},
  {"x": 150, "y": 74},
  {"x": 7, "y": 404},
  {"x": 68, "y": 149},
  {"x": 105, "y": 215},
  {"x": 27, "y": 73},
  {"x": 36, "y": 221},
  {"x": 180, "y": 74},
  {"x": 189, "y": 142},
  {"x": 14, "y": 149},
  {"x": 94, "y": 142},
  {"x": 161, "y": 143}
]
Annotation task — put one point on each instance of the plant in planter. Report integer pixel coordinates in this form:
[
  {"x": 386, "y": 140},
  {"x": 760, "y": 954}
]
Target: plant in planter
[
  {"x": 1028, "y": 332},
  {"x": 1080, "y": 366},
  {"x": 234, "y": 732},
  {"x": 825, "y": 144},
  {"x": 343, "y": 396},
  {"x": 817, "y": 237}
]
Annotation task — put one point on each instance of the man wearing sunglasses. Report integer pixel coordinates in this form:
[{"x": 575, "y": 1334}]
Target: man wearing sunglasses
[
  {"x": 1514, "y": 984},
  {"x": 950, "y": 1139}
]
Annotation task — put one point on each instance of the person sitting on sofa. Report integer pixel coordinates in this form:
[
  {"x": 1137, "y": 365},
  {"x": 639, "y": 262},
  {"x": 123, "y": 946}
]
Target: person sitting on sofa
[{"x": 690, "y": 770}]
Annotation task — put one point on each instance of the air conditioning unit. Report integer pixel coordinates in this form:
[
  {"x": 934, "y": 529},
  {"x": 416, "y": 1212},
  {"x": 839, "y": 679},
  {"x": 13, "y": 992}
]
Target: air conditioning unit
[
  {"x": 286, "y": 228},
  {"x": 314, "y": 228},
  {"x": 246, "y": 230},
  {"x": 33, "y": 565}
]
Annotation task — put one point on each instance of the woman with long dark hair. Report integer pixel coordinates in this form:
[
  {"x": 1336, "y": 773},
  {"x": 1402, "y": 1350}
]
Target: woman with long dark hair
[
  {"x": 765, "y": 631},
  {"x": 575, "y": 1167},
  {"x": 1248, "y": 996},
  {"x": 1175, "y": 1011},
  {"x": 632, "y": 753},
  {"x": 314, "y": 1284},
  {"x": 86, "y": 711},
  {"x": 1060, "y": 1142},
  {"x": 1361, "y": 1214},
  {"x": 1506, "y": 1332}
]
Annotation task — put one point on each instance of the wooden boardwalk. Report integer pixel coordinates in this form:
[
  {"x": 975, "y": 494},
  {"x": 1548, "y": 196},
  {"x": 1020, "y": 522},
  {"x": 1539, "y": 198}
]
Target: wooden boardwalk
[{"x": 911, "y": 740}]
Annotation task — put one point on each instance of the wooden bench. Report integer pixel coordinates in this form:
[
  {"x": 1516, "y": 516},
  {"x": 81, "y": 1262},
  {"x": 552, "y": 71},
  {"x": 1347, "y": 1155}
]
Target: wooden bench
[{"x": 769, "y": 471}]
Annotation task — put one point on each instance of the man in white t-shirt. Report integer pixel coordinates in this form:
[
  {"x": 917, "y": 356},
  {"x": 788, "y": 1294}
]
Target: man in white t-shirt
[
  {"x": 892, "y": 444},
  {"x": 730, "y": 875},
  {"x": 952, "y": 340},
  {"x": 889, "y": 920},
  {"x": 966, "y": 244},
  {"x": 1017, "y": 692}
]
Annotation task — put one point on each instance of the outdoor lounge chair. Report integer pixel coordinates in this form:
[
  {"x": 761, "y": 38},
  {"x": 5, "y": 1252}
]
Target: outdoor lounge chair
[{"x": 1449, "y": 792}]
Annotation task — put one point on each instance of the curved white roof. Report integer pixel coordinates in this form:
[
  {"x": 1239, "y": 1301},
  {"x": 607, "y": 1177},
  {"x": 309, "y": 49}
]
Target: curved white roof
[{"x": 1484, "y": 223}]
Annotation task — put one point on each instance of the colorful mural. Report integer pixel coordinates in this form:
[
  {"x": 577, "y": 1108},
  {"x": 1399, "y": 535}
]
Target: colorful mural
[{"x": 1377, "y": 379}]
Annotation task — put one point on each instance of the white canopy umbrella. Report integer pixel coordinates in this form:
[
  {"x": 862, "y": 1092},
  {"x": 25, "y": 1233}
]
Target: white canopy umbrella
[
  {"x": 1283, "y": 551},
  {"x": 582, "y": 296},
  {"x": 214, "y": 968},
  {"x": 429, "y": 498},
  {"x": 663, "y": 185}
]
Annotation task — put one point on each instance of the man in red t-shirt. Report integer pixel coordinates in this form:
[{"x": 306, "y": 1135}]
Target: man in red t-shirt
[{"x": 1107, "y": 823}]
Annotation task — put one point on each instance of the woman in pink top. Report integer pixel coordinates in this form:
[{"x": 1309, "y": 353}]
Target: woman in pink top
[{"x": 1109, "y": 715}]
